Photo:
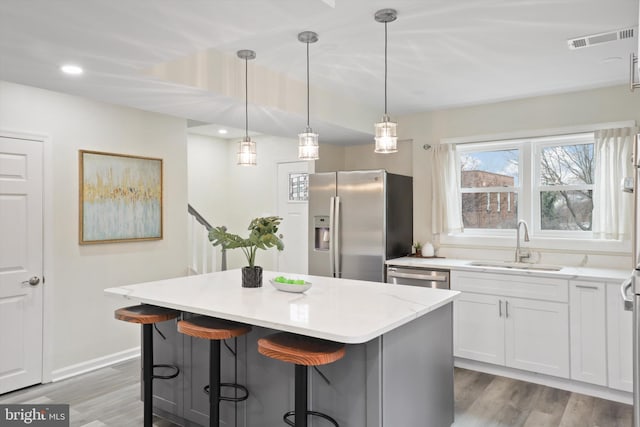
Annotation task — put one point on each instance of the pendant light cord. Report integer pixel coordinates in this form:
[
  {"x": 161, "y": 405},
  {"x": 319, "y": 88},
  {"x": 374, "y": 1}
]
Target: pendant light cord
[
  {"x": 385, "y": 68},
  {"x": 307, "y": 85},
  {"x": 246, "y": 98}
]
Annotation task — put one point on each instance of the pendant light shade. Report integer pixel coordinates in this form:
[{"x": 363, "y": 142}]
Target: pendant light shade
[
  {"x": 386, "y": 131},
  {"x": 246, "y": 148},
  {"x": 308, "y": 140}
]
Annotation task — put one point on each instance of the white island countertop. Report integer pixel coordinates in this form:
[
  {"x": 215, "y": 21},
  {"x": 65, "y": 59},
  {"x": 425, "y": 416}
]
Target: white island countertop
[{"x": 342, "y": 310}]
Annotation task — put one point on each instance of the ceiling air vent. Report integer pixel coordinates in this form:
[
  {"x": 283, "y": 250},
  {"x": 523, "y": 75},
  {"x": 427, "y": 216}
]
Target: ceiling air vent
[{"x": 594, "y": 39}]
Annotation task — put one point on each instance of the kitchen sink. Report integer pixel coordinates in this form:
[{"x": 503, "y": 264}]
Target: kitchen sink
[{"x": 516, "y": 265}]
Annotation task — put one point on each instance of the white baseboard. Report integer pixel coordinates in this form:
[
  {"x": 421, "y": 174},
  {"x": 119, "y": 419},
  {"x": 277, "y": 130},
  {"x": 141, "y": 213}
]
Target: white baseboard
[
  {"x": 555, "y": 382},
  {"x": 93, "y": 364}
]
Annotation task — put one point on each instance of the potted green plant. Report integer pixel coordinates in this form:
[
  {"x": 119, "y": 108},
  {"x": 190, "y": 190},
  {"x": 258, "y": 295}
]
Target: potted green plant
[
  {"x": 262, "y": 235},
  {"x": 418, "y": 248}
]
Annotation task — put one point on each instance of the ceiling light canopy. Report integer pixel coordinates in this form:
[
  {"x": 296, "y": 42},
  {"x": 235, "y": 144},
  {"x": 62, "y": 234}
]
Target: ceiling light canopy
[
  {"x": 386, "y": 131},
  {"x": 308, "y": 140},
  {"x": 71, "y": 69},
  {"x": 246, "y": 147}
]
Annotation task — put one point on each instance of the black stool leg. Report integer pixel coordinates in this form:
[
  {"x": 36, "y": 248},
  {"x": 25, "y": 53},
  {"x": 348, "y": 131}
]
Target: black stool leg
[
  {"x": 147, "y": 373},
  {"x": 214, "y": 383},
  {"x": 300, "y": 407}
]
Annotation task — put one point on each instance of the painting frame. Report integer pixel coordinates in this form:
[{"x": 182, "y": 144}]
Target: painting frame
[{"x": 120, "y": 198}]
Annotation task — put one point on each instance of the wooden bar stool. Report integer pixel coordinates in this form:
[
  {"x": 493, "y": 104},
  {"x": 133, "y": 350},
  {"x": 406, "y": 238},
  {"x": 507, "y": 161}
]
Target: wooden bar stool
[
  {"x": 216, "y": 330},
  {"x": 148, "y": 315},
  {"x": 304, "y": 352}
]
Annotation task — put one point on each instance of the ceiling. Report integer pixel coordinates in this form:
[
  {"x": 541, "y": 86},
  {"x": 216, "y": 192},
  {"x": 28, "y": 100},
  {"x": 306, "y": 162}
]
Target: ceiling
[{"x": 442, "y": 53}]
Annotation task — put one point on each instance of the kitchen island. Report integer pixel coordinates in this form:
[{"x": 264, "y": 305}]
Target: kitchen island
[{"x": 398, "y": 370}]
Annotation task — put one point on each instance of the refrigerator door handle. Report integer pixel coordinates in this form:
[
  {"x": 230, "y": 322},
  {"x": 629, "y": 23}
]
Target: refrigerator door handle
[
  {"x": 628, "y": 302},
  {"x": 336, "y": 235},
  {"x": 332, "y": 269}
]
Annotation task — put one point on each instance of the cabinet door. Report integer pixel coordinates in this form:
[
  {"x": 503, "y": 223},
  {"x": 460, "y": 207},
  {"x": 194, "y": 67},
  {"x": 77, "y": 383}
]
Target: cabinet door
[
  {"x": 537, "y": 336},
  {"x": 620, "y": 341},
  {"x": 479, "y": 328},
  {"x": 587, "y": 320}
]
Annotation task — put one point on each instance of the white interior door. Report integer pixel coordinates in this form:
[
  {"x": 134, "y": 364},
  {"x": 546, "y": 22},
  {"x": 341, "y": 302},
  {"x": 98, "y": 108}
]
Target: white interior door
[
  {"x": 293, "y": 207},
  {"x": 21, "y": 251}
]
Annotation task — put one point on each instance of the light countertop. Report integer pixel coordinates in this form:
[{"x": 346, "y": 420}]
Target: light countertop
[
  {"x": 581, "y": 273},
  {"x": 347, "y": 311}
]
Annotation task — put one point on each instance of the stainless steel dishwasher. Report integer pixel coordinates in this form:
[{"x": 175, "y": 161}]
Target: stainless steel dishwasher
[{"x": 418, "y": 276}]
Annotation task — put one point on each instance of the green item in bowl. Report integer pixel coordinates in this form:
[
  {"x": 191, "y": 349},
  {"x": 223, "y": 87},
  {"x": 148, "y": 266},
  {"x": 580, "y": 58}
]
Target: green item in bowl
[{"x": 282, "y": 279}]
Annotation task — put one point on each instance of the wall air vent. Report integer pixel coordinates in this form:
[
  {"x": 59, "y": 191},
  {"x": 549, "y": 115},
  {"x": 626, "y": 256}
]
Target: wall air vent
[{"x": 594, "y": 39}]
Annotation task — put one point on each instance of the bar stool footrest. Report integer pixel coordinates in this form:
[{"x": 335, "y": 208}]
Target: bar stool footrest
[
  {"x": 240, "y": 387},
  {"x": 166, "y": 377},
  {"x": 289, "y": 414}
]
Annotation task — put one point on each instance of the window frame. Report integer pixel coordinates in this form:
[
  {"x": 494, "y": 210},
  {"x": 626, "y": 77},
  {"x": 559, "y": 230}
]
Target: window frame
[
  {"x": 518, "y": 189},
  {"x": 537, "y": 146}
]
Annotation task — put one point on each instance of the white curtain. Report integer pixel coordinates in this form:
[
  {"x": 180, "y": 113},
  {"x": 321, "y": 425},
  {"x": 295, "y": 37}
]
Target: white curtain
[
  {"x": 612, "y": 208},
  {"x": 446, "y": 207}
]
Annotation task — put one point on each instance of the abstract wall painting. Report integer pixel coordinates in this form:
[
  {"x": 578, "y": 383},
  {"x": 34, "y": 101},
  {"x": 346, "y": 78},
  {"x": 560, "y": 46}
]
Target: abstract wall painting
[{"x": 120, "y": 198}]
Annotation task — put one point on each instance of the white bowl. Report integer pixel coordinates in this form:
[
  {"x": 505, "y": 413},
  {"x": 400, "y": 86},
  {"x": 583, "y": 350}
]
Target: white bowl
[{"x": 286, "y": 287}]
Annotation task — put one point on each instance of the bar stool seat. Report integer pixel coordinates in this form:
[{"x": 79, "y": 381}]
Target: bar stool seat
[
  {"x": 148, "y": 315},
  {"x": 303, "y": 352},
  {"x": 216, "y": 330}
]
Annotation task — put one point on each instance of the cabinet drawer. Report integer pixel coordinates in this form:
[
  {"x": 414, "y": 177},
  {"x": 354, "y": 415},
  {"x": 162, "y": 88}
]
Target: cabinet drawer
[{"x": 512, "y": 285}]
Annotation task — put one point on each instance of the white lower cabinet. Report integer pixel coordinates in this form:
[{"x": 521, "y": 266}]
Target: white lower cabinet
[
  {"x": 536, "y": 336},
  {"x": 619, "y": 341},
  {"x": 520, "y": 333},
  {"x": 478, "y": 328},
  {"x": 587, "y": 319}
]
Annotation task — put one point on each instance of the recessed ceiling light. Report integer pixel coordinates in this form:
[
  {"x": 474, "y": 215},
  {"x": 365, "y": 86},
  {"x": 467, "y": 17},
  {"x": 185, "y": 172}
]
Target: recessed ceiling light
[
  {"x": 71, "y": 69},
  {"x": 611, "y": 59},
  {"x": 222, "y": 131}
]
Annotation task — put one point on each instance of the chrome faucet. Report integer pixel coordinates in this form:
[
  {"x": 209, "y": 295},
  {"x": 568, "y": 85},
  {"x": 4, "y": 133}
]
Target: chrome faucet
[{"x": 522, "y": 254}]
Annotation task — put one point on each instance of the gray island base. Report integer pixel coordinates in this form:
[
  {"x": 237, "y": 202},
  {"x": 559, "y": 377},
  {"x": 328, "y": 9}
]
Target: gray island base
[
  {"x": 397, "y": 372},
  {"x": 403, "y": 378}
]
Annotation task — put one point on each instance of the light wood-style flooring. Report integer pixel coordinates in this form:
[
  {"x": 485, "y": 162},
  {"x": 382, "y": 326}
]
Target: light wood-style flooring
[{"x": 110, "y": 397}]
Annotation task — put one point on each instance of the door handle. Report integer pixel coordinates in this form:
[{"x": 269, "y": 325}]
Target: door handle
[
  {"x": 506, "y": 309},
  {"x": 32, "y": 281},
  {"x": 628, "y": 302},
  {"x": 394, "y": 273},
  {"x": 336, "y": 236},
  {"x": 332, "y": 268},
  {"x": 499, "y": 308},
  {"x": 633, "y": 61}
]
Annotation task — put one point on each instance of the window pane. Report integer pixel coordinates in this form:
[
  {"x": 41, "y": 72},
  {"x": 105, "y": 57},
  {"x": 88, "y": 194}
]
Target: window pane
[
  {"x": 490, "y": 210},
  {"x": 489, "y": 169},
  {"x": 566, "y": 210},
  {"x": 567, "y": 165}
]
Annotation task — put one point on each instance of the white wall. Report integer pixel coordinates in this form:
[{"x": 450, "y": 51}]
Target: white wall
[
  {"x": 244, "y": 192},
  {"x": 83, "y": 323}
]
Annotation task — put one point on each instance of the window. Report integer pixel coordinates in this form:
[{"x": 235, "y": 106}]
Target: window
[
  {"x": 489, "y": 187},
  {"x": 298, "y": 187},
  {"x": 564, "y": 190},
  {"x": 548, "y": 182}
]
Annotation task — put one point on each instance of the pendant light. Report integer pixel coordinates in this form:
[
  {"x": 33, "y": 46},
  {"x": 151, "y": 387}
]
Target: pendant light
[
  {"x": 386, "y": 135},
  {"x": 308, "y": 141},
  {"x": 246, "y": 147}
]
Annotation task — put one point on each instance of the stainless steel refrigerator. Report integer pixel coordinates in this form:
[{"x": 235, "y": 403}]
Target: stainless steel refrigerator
[
  {"x": 358, "y": 220},
  {"x": 631, "y": 287}
]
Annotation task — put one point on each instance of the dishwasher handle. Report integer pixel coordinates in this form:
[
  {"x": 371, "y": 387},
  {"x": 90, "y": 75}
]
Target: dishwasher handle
[{"x": 394, "y": 273}]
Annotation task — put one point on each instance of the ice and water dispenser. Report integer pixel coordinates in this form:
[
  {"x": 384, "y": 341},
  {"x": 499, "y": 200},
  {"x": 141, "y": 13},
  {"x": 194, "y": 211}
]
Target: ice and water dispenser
[{"x": 322, "y": 233}]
